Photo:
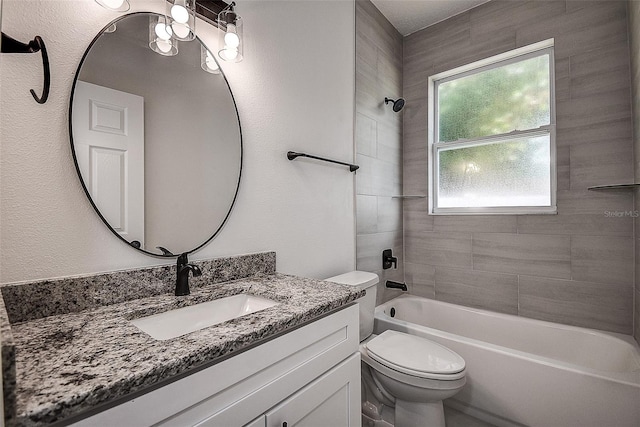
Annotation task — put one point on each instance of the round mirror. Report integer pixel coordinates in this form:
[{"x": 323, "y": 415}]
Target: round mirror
[{"x": 156, "y": 136}]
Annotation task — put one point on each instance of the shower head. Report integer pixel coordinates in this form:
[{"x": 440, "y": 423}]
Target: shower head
[{"x": 397, "y": 104}]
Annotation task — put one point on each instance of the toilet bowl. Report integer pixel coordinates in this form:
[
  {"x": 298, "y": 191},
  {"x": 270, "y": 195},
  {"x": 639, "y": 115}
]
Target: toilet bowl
[
  {"x": 409, "y": 372},
  {"x": 418, "y": 373}
]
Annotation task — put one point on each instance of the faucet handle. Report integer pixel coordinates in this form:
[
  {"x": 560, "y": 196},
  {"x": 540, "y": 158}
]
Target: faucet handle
[
  {"x": 388, "y": 259},
  {"x": 195, "y": 270},
  {"x": 165, "y": 251},
  {"x": 183, "y": 261}
]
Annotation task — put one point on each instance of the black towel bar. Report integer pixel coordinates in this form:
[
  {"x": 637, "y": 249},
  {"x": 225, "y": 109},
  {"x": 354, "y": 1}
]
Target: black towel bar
[{"x": 291, "y": 155}]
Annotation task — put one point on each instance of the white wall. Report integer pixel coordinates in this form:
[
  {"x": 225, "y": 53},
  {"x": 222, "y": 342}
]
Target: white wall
[{"x": 295, "y": 91}]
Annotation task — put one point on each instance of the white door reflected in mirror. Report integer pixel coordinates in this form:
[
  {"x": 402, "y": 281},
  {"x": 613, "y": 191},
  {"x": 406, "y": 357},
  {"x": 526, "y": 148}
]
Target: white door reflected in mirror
[{"x": 109, "y": 140}]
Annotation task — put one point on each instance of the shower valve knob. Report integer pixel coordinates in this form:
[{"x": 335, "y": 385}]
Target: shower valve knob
[{"x": 388, "y": 260}]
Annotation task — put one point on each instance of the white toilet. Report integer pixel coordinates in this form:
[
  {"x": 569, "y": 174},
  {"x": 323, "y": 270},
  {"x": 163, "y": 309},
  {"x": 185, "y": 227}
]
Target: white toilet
[{"x": 414, "y": 373}]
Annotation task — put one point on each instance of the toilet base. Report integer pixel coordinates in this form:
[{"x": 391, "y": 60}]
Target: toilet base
[{"x": 423, "y": 414}]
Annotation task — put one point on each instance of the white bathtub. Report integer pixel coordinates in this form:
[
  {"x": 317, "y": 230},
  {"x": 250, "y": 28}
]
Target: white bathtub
[{"x": 525, "y": 371}]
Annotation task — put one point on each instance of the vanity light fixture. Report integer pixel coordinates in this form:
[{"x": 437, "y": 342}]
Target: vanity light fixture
[
  {"x": 207, "y": 61},
  {"x": 117, "y": 5},
  {"x": 160, "y": 40},
  {"x": 231, "y": 38},
  {"x": 182, "y": 18}
]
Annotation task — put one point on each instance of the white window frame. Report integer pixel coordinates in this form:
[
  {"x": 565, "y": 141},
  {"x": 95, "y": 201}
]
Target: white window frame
[{"x": 512, "y": 56}]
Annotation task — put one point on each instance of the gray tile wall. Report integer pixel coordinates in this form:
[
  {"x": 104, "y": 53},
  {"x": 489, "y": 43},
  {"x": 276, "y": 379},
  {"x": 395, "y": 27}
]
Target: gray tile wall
[
  {"x": 378, "y": 138},
  {"x": 576, "y": 267},
  {"x": 634, "y": 42}
]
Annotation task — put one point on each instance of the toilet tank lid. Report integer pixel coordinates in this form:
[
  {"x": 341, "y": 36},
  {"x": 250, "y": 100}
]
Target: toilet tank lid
[{"x": 362, "y": 279}]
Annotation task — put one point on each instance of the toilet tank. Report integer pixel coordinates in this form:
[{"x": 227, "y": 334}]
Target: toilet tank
[{"x": 367, "y": 281}]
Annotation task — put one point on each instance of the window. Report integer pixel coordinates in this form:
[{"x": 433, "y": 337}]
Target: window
[{"x": 492, "y": 135}]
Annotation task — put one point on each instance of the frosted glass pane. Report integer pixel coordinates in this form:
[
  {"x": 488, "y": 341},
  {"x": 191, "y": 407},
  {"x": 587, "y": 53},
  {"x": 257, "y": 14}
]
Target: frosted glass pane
[
  {"x": 506, "y": 173},
  {"x": 495, "y": 101}
]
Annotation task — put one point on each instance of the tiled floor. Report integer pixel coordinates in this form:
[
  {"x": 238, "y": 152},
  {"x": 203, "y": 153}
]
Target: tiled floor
[{"x": 455, "y": 418}]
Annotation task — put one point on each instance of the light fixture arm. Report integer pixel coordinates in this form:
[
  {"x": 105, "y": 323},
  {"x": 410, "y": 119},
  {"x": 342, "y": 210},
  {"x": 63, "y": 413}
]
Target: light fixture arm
[{"x": 230, "y": 7}]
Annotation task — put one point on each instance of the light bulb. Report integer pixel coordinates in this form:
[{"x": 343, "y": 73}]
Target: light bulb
[
  {"x": 231, "y": 40},
  {"x": 117, "y": 5},
  {"x": 113, "y": 4},
  {"x": 229, "y": 54},
  {"x": 163, "y": 31},
  {"x": 179, "y": 13},
  {"x": 163, "y": 45},
  {"x": 207, "y": 61},
  {"x": 180, "y": 30}
]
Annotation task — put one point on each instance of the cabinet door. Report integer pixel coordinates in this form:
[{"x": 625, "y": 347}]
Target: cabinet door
[
  {"x": 258, "y": 422},
  {"x": 331, "y": 400}
]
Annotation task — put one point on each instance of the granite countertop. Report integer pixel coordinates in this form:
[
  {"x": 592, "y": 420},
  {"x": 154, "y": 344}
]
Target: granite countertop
[{"x": 68, "y": 363}]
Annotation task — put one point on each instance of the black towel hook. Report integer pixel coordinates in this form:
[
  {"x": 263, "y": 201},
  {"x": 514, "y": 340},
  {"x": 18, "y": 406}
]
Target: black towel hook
[{"x": 10, "y": 45}]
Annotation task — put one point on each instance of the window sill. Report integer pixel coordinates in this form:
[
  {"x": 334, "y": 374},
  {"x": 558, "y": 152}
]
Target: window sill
[{"x": 548, "y": 210}]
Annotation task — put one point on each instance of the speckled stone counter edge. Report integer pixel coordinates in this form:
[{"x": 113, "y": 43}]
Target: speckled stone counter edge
[
  {"x": 8, "y": 350},
  {"x": 74, "y": 294}
]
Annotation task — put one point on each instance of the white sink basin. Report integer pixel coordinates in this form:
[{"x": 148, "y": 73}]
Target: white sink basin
[{"x": 181, "y": 321}]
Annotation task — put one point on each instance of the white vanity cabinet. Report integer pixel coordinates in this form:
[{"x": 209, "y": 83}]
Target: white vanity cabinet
[
  {"x": 307, "y": 377},
  {"x": 330, "y": 400}
]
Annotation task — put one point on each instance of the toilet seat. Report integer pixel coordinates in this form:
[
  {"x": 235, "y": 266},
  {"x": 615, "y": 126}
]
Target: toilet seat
[{"x": 415, "y": 356}]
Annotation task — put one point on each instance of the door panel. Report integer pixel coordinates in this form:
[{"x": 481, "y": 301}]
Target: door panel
[{"x": 108, "y": 133}]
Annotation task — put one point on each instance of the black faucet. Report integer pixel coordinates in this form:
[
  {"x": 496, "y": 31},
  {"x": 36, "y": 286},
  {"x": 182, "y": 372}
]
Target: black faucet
[
  {"x": 182, "y": 274},
  {"x": 395, "y": 285}
]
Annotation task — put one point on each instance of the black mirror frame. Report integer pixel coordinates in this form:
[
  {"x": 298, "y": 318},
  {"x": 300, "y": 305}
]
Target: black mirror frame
[{"x": 166, "y": 254}]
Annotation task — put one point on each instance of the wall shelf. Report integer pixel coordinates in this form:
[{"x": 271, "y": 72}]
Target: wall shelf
[
  {"x": 409, "y": 196},
  {"x": 614, "y": 187}
]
